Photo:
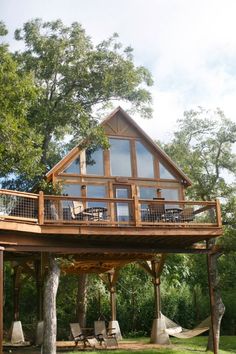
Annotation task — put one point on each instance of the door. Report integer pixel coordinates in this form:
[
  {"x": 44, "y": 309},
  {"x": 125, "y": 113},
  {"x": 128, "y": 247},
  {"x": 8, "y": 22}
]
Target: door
[{"x": 122, "y": 209}]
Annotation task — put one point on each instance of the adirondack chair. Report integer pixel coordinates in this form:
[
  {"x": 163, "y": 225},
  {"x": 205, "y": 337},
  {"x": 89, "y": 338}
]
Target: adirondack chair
[
  {"x": 107, "y": 338},
  {"x": 78, "y": 336}
]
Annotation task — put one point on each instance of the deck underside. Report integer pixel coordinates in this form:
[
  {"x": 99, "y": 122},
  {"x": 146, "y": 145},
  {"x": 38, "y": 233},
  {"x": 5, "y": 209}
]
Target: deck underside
[{"x": 98, "y": 249}]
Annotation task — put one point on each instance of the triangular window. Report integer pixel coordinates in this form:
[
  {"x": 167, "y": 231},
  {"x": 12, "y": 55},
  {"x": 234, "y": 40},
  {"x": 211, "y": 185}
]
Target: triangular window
[
  {"x": 74, "y": 166},
  {"x": 164, "y": 173}
]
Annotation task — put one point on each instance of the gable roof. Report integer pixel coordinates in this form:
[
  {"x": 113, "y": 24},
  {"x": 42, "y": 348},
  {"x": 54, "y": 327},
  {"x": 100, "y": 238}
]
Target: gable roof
[{"x": 141, "y": 132}]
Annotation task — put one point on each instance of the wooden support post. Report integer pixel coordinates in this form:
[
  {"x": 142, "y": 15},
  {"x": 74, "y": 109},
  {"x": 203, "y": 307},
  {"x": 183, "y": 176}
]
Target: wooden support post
[
  {"x": 111, "y": 279},
  {"x": 41, "y": 208},
  {"x": 16, "y": 292},
  {"x": 218, "y": 213},
  {"x": 1, "y": 300},
  {"x": 156, "y": 282},
  {"x": 212, "y": 303},
  {"x": 112, "y": 290},
  {"x": 136, "y": 211},
  {"x": 39, "y": 271},
  {"x": 157, "y": 295}
]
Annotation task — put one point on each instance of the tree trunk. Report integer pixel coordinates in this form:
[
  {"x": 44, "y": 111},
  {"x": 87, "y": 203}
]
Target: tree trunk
[
  {"x": 50, "y": 317},
  {"x": 218, "y": 306},
  {"x": 81, "y": 308}
]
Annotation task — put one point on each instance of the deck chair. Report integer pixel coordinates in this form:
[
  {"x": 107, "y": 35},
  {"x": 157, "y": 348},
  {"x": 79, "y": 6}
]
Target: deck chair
[
  {"x": 76, "y": 209},
  {"x": 187, "y": 215},
  {"x": 156, "y": 212},
  {"x": 100, "y": 331},
  {"x": 78, "y": 336}
]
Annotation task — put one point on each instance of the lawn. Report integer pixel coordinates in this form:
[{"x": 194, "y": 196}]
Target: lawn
[{"x": 191, "y": 346}]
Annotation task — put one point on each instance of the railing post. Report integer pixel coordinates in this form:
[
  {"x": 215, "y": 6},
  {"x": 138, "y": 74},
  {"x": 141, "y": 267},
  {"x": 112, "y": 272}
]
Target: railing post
[
  {"x": 41, "y": 208},
  {"x": 218, "y": 213},
  {"x": 137, "y": 218}
]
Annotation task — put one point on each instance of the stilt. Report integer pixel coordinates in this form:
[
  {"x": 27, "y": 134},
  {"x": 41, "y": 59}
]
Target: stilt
[
  {"x": 39, "y": 274},
  {"x": 212, "y": 303},
  {"x": 158, "y": 334},
  {"x": 16, "y": 292},
  {"x": 114, "y": 326},
  {"x": 1, "y": 300}
]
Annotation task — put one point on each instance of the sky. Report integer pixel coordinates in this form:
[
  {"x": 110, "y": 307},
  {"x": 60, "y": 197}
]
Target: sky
[{"x": 189, "y": 46}]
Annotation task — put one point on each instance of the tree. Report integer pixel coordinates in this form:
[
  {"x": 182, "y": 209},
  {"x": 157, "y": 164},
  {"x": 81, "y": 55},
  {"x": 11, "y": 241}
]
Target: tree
[
  {"x": 203, "y": 148},
  {"x": 76, "y": 78},
  {"x": 19, "y": 144}
]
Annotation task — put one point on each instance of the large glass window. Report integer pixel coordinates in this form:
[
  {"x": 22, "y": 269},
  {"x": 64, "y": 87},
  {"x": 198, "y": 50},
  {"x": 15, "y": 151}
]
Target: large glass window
[
  {"x": 74, "y": 167},
  {"x": 120, "y": 157},
  {"x": 94, "y": 162},
  {"x": 144, "y": 161},
  {"x": 170, "y": 194},
  {"x": 164, "y": 173},
  {"x": 147, "y": 193},
  {"x": 96, "y": 191},
  {"x": 73, "y": 190}
]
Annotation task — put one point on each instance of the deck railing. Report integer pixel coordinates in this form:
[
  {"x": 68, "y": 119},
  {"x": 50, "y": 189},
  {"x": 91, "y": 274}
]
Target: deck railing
[{"x": 47, "y": 209}]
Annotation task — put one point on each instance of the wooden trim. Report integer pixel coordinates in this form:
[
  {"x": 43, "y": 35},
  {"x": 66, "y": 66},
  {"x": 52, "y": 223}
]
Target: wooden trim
[
  {"x": 218, "y": 213},
  {"x": 136, "y": 211},
  {"x": 18, "y": 218},
  {"x": 139, "y": 179},
  {"x": 21, "y": 194},
  {"x": 134, "y": 166},
  {"x": 106, "y": 163},
  {"x": 41, "y": 208},
  {"x": 156, "y": 168},
  {"x": 111, "y": 207}
]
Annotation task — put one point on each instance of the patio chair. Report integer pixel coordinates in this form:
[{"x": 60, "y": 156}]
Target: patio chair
[
  {"x": 187, "y": 215},
  {"x": 107, "y": 338},
  {"x": 76, "y": 210},
  {"x": 78, "y": 336},
  {"x": 156, "y": 212}
]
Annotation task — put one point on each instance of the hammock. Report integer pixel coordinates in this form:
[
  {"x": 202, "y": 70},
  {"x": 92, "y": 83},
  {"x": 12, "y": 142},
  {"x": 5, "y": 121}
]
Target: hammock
[{"x": 175, "y": 330}]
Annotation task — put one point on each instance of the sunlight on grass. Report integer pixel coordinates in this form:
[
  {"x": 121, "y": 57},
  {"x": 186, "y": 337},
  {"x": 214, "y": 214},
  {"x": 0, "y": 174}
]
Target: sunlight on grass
[{"x": 195, "y": 345}]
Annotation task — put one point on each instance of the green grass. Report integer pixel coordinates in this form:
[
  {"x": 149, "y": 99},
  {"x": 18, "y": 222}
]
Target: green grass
[{"x": 195, "y": 345}]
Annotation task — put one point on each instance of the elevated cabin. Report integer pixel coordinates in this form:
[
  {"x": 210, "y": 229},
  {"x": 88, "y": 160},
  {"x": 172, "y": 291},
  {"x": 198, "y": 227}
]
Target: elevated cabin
[
  {"x": 128, "y": 197},
  {"x": 119, "y": 205}
]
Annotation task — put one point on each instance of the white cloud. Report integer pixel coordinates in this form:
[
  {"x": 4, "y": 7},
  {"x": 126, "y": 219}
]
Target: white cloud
[{"x": 189, "y": 46}]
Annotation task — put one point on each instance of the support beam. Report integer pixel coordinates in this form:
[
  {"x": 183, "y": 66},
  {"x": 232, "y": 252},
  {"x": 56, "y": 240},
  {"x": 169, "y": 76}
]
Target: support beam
[
  {"x": 212, "y": 303},
  {"x": 38, "y": 265},
  {"x": 1, "y": 300},
  {"x": 157, "y": 295},
  {"x": 16, "y": 292},
  {"x": 154, "y": 269},
  {"x": 112, "y": 289},
  {"x": 111, "y": 280}
]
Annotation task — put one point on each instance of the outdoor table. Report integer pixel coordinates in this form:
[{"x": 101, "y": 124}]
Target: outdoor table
[
  {"x": 173, "y": 214},
  {"x": 94, "y": 213}
]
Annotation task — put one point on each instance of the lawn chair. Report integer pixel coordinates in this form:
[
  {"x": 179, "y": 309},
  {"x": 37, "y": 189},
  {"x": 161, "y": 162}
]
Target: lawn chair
[
  {"x": 108, "y": 339},
  {"x": 187, "y": 215},
  {"x": 76, "y": 210},
  {"x": 157, "y": 211},
  {"x": 78, "y": 336}
]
